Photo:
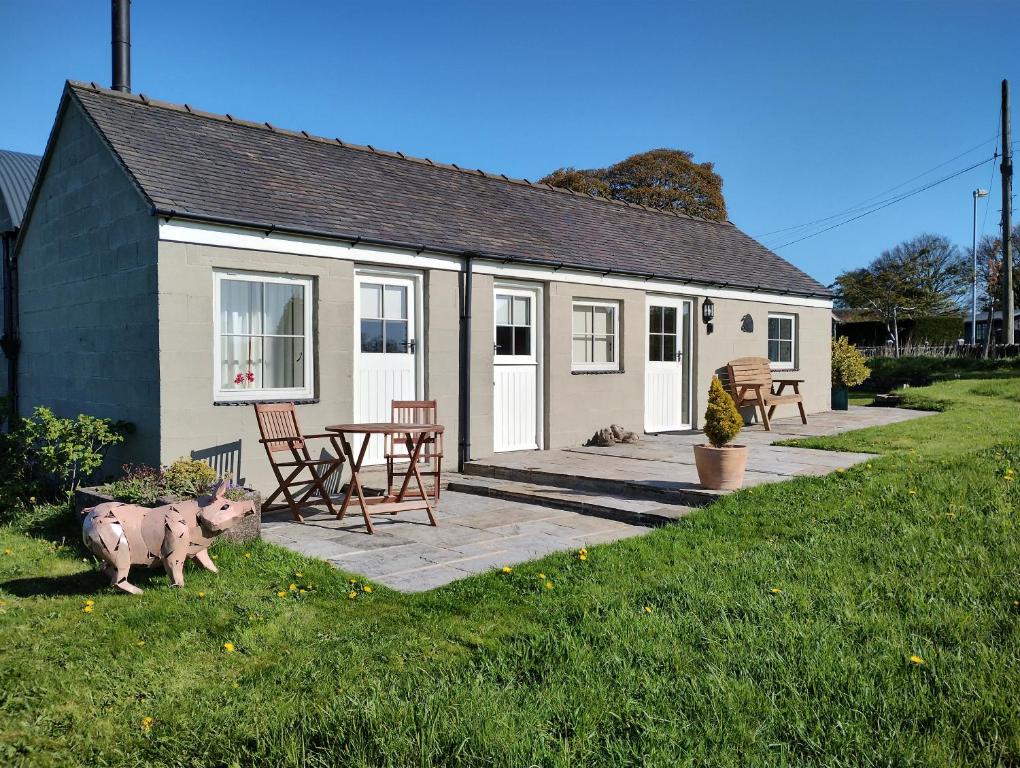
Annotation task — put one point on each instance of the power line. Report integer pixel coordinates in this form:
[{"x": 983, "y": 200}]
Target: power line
[
  {"x": 864, "y": 204},
  {"x": 887, "y": 203}
]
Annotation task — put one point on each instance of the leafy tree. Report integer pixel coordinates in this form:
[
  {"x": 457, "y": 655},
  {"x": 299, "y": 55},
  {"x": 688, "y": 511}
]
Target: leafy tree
[
  {"x": 926, "y": 275},
  {"x": 989, "y": 277},
  {"x": 667, "y": 179}
]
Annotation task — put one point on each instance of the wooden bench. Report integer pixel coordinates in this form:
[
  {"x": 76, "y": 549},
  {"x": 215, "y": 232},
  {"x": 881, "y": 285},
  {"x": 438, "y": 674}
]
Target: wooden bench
[{"x": 751, "y": 383}]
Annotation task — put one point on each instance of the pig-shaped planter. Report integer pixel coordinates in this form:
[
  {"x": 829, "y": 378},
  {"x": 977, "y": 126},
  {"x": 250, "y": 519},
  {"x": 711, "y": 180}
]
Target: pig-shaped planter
[{"x": 123, "y": 535}]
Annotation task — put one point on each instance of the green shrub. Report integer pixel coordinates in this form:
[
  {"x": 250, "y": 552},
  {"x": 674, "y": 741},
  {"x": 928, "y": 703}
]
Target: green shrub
[
  {"x": 188, "y": 478},
  {"x": 889, "y": 373},
  {"x": 848, "y": 366},
  {"x": 722, "y": 419},
  {"x": 139, "y": 485},
  {"x": 62, "y": 453}
]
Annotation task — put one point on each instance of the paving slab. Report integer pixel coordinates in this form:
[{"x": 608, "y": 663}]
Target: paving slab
[{"x": 477, "y": 533}]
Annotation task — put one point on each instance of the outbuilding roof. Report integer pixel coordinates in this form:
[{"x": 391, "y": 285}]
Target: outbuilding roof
[
  {"x": 17, "y": 175},
  {"x": 193, "y": 164}
]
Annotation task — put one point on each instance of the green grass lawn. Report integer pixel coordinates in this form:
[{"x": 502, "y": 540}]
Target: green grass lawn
[{"x": 774, "y": 628}]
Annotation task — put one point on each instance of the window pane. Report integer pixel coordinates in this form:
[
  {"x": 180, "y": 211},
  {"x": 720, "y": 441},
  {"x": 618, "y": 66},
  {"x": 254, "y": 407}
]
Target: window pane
[
  {"x": 240, "y": 306},
  {"x": 582, "y": 319},
  {"x": 522, "y": 312},
  {"x": 504, "y": 340},
  {"x": 774, "y": 351},
  {"x": 603, "y": 350},
  {"x": 396, "y": 303},
  {"x": 371, "y": 300},
  {"x": 655, "y": 320},
  {"x": 579, "y": 350},
  {"x": 502, "y": 310},
  {"x": 603, "y": 320},
  {"x": 239, "y": 357},
  {"x": 285, "y": 309},
  {"x": 773, "y": 327},
  {"x": 786, "y": 328},
  {"x": 371, "y": 335},
  {"x": 786, "y": 351},
  {"x": 669, "y": 319},
  {"x": 654, "y": 347},
  {"x": 522, "y": 341},
  {"x": 396, "y": 336},
  {"x": 669, "y": 346},
  {"x": 283, "y": 366}
]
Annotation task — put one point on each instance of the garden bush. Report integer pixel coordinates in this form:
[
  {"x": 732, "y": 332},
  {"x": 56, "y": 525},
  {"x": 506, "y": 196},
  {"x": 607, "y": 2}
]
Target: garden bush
[
  {"x": 44, "y": 457},
  {"x": 722, "y": 419},
  {"x": 849, "y": 368},
  {"x": 185, "y": 478},
  {"x": 889, "y": 373}
]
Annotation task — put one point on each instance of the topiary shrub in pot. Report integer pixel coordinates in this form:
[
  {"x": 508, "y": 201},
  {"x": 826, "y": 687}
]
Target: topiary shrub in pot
[
  {"x": 849, "y": 369},
  {"x": 721, "y": 465}
]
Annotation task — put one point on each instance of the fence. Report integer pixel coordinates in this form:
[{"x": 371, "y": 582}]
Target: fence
[{"x": 942, "y": 350}]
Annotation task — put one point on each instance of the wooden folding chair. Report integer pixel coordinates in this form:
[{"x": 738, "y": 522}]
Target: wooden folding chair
[
  {"x": 280, "y": 432},
  {"x": 415, "y": 412}
]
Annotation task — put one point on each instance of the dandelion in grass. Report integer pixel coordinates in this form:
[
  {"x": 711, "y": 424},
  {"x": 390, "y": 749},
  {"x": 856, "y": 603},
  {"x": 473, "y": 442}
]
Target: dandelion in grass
[
  {"x": 228, "y": 647},
  {"x": 648, "y": 609},
  {"x": 776, "y": 591},
  {"x": 548, "y": 585},
  {"x": 912, "y": 492},
  {"x": 298, "y": 575},
  {"x": 140, "y": 643},
  {"x": 841, "y": 470},
  {"x": 8, "y": 551},
  {"x": 367, "y": 588},
  {"x": 541, "y": 575},
  {"x": 352, "y": 594},
  {"x": 302, "y": 591},
  {"x": 31, "y": 499},
  {"x": 281, "y": 593},
  {"x": 292, "y": 587},
  {"x": 507, "y": 569},
  {"x": 916, "y": 660},
  {"x": 87, "y": 608},
  {"x": 582, "y": 554},
  {"x": 147, "y": 723},
  {"x": 201, "y": 595},
  {"x": 248, "y": 555}
]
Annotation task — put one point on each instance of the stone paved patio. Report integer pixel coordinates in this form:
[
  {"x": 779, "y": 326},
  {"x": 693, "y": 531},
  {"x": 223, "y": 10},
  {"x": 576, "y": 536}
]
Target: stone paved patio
[
  {"x": 474, "y": 535},
  {"x": 480, "y": 533}
]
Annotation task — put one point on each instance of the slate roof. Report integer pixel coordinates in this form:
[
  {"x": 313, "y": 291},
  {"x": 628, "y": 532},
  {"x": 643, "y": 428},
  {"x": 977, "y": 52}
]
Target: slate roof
[
  {"x": 17, "y": 175},
  {"x": 213, "y": 167}
]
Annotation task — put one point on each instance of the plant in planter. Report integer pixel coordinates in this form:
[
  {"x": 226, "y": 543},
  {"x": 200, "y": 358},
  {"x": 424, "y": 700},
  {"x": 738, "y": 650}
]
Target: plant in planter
[
  {"x": 721, "y": 465},
  {"x": 848, "y": 370}
]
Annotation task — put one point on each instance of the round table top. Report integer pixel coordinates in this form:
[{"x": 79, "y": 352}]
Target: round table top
[{"x": 385, "y": 428}]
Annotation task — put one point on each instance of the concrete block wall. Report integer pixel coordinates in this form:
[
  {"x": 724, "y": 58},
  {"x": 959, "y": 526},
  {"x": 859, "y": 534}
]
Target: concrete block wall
[{"x": 87, "y": 286}]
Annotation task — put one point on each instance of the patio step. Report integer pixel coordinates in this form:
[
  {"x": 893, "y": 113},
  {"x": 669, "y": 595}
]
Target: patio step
[
  {"x": 624, "y": 509},
  {"x": 684, "y": 494}
]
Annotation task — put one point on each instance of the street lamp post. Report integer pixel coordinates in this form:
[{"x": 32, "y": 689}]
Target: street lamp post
[{"x": 973, "y": 291}]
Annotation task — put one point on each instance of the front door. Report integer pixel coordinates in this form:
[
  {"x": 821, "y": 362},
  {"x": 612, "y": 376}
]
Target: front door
[
  {"x": 386, "y": 350},
  {"x": 668, "y": 364},
  {"x": 516, "y": 364}
]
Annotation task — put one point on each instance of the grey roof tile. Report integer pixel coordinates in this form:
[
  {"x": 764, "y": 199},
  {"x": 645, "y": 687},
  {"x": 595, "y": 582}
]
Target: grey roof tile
[{"x": 210, "y": 166}]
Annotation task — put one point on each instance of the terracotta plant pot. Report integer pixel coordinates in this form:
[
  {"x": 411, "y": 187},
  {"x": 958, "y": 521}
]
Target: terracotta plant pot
[{"x": 721, "y": 469}]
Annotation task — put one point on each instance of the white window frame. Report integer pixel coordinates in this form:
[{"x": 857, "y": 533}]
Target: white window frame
[
  {"x": 792, "y": 363},
  {"x": 616, "y": 306},
  {"x": 306, "y": 392}
]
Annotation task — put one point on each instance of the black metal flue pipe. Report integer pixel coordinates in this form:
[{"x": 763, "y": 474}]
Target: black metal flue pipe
[{"x": 121, "y": 44}]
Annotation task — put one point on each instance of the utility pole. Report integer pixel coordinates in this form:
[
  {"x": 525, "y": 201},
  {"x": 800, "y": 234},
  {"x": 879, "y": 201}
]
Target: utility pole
[{"x": 1007, "y": 208}]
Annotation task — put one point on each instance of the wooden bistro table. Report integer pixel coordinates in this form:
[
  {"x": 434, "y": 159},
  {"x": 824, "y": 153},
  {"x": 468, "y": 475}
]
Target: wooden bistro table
[{"x": 415, "y": 436}]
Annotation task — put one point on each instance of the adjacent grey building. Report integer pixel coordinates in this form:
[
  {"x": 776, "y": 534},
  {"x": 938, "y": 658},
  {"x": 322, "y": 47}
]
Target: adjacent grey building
[{"x": 176, "y": 266}]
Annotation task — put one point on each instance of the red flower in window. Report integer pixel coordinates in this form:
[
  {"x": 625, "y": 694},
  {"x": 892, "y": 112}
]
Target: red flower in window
[
  {"x": 250, "y": 376},
  {"x": 239, "y": 378}
]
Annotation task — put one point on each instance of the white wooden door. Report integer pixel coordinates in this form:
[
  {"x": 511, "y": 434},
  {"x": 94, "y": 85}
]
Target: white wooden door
[
  {"x": 668, "y": 364},
  {"x": 386, "y": 350},
  {"x": 516, "y": 369}
]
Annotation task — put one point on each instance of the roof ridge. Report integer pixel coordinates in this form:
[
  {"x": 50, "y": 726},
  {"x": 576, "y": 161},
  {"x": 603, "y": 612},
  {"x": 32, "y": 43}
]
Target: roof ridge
[{"x": 269, "y": 127}]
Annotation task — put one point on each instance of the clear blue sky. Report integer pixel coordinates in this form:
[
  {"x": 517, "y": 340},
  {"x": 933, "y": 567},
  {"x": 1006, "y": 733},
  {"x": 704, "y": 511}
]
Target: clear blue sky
[{"x": 806, "y": 108}]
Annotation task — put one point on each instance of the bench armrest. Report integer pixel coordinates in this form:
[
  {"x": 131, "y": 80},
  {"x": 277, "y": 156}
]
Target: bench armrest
[{"x": 787, "y": 381}]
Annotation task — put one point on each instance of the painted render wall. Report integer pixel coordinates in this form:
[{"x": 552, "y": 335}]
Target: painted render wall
[
  {"x": 728, "y": 341},
  {"x": 87, "y": 270},
  {"x": 227, "y": 434}
]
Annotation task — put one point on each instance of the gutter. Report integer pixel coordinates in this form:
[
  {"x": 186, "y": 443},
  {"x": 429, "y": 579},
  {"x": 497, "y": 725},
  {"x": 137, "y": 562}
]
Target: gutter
[
  {"x": 464, "y": 447},
  {"x": 9, "y": 342},
  {"x": 354, "y": 240}
]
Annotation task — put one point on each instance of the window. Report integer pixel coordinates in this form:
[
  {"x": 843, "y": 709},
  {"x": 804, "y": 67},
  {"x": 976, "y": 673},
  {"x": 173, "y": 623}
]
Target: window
[
  {"x": 662, "y": 333},
  {"x": 596, "y": 329},
  {"x": 782, "y": 340},
  {"x": 513, "y": 325},
  {"x": 263, "y": 337},
  {"x": 384, "y": 319}
]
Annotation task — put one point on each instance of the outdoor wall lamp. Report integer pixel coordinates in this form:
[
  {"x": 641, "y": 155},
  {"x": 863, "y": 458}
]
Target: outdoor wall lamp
[{"x": 707, "y": 314}]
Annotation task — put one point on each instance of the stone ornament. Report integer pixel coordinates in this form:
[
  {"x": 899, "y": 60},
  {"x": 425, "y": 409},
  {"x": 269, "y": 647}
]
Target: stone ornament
[
  {"x": 123, "y": 535},
  {"x": 612, "y": 435}
]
